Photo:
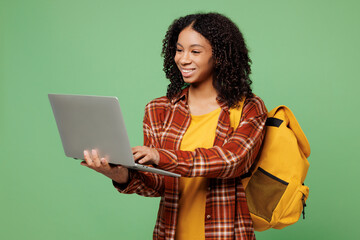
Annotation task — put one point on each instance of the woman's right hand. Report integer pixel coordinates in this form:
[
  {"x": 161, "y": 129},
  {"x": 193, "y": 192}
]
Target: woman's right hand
[{"x": 117, "y": 173}]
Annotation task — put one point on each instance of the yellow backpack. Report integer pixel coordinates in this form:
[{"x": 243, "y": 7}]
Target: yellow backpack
[{"x": 275, "y": 191}]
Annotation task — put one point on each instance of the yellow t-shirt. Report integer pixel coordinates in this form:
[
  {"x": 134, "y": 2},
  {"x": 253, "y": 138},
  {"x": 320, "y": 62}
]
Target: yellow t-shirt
[{"x": 192, "y": 200}]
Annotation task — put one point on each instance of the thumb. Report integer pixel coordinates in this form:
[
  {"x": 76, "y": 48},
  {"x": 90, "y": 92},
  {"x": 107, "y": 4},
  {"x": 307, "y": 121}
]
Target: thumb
[{"x": 83, "y": 163}]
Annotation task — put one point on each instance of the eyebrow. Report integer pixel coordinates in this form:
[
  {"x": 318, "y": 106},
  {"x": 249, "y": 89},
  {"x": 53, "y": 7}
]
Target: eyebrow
[{"x": 193, "y": 45}]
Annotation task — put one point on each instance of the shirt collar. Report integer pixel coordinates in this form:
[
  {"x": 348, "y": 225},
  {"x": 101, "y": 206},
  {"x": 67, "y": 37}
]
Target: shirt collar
[
  {"x": 184, "y": 94},
  {"x": 181, "y": 96}
]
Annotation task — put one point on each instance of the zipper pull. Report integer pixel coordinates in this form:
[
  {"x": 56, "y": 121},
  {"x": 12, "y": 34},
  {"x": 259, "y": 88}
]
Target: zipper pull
[{"x": 304, "y": 205}]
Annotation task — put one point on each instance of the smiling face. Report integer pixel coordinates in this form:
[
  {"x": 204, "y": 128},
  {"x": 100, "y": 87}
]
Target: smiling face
[{"x": 194, "y": 57}]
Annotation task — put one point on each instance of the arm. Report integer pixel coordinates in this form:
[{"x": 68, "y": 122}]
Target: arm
[
  {"x": 232, "y": 159},
  {"x": 125, "y": 180}
]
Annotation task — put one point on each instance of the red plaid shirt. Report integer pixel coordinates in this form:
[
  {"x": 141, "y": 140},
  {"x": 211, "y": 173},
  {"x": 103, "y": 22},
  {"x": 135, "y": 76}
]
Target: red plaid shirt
[{"x": 226, "y": 214}]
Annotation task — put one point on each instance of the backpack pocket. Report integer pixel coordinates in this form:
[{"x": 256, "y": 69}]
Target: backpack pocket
[
  {"x": 292, "y": 212},
  {"x": 263, "y": 194}
]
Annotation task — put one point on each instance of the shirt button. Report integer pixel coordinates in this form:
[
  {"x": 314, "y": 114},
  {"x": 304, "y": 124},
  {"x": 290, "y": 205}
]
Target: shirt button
[{"x": 208, "y": 216}]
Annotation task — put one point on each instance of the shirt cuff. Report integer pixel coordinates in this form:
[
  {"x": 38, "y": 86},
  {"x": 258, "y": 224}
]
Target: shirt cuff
[{"x": 122, "y": 186}]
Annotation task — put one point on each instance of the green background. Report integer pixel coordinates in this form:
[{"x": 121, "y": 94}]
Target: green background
[{"x": 305, "y": 55}]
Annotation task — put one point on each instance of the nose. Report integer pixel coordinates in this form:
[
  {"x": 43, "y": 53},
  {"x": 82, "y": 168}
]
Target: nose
[{"x": 185, "y": 59}]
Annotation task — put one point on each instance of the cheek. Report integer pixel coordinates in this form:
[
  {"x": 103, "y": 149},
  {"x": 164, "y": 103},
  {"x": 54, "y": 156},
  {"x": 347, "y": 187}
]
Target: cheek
[
  {"x": 209, "y": 63},
  {"x": 176, "y": 58},
  {"x": 206, "y": 64}
]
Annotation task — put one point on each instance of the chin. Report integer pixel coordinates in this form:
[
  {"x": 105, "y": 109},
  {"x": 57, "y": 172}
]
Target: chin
[
  {"x": 187, "y": 80},
  {"x": 190, "y": 80}
]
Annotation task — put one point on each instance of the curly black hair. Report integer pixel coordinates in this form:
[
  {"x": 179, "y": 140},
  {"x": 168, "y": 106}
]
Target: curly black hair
[{"x": 232, "y": 62}]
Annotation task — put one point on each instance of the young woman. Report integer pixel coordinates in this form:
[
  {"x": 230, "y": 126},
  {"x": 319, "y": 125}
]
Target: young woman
[{"x": 199, "y": 131}]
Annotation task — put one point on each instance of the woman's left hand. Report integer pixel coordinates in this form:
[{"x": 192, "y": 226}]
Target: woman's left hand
[{"x": 146, "y": 155}]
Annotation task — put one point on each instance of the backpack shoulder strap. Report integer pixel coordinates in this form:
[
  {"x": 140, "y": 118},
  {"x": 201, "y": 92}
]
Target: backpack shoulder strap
[{"x": 284, "y": 113}]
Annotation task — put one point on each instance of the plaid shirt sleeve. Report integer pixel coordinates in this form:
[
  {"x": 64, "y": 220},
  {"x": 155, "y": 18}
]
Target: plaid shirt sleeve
[
  {"x": 234, "y": 158},
  {"x": 142, "y": 183}
]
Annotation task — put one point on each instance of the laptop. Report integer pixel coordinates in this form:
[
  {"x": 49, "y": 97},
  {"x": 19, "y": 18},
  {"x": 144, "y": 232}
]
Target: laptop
[{"x": 95, "y": 122}]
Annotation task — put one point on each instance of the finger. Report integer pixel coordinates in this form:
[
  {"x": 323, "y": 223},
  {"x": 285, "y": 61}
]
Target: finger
[
  {"x": 120, "y": 167},
  {"x": 136, "y": 156},
  {"x": 139, "y": 155},
  {"x": 104, "y": 163},
  {"x": 83, "y": 163},
  {"x": 87, "y": 158},
  {"x": 95, "y": 158},
  {"x": 136, "y": 149},
  {"x": 145, "y": 160}
]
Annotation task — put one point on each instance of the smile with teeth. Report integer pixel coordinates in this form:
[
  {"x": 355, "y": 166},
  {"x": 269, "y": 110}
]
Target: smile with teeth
[{"x": 187, "y": 72}]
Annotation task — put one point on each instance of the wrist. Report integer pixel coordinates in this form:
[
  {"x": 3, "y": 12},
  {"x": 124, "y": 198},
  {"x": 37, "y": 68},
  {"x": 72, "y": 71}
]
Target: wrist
[
  {"x": 157, "y": 157},
  {"x": 121, "y": 176}
]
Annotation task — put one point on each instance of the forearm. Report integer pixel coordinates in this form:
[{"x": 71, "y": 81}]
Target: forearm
[
  {"x": 229, "y": 160},
  {"x": 216, "y": 162}
]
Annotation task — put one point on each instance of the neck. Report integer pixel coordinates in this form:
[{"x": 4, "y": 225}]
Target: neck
[
  {"x": 202, "y": 92},
  {"x": 202, "y": 99}
]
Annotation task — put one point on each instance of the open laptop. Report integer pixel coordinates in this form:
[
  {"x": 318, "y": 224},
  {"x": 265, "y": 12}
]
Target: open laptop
[{"x": 95, "y": 122}]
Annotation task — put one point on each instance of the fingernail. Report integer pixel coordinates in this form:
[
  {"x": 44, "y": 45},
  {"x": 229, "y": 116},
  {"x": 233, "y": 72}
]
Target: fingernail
[
  {"x": 85, "y": 152},
  {"x": 93, "y": 151}
]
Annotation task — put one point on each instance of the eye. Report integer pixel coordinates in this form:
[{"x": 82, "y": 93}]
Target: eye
[
  {"x": 178, "y": 50},
  {"x": 195, "y": 51}
]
